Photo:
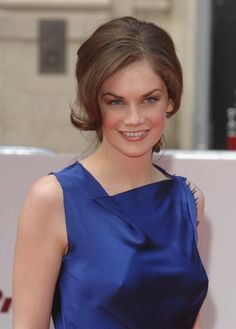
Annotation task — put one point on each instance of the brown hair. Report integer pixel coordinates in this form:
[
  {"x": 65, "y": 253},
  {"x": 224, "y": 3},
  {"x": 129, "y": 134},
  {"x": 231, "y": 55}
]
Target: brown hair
[{"x": 113, "y": 46}]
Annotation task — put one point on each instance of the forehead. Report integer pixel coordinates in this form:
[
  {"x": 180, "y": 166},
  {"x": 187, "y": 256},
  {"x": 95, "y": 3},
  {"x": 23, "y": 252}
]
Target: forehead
[{"x": 139, "y": 76}]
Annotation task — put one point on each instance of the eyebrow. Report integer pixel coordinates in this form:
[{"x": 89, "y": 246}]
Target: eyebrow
[{"x": 121, "y": 97}]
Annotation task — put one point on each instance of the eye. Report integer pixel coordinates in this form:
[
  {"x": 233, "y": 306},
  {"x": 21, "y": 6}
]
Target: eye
[
  {"x": 151, "y": 100},
  {"x": 115, "y": 102}
]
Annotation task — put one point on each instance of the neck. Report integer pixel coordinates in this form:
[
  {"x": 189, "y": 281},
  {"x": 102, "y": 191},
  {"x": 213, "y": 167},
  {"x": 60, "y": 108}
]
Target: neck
[{"x": 131, "y": 171}]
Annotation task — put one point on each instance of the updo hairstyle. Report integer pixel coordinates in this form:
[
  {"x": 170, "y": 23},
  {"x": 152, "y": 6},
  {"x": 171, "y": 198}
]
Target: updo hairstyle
[{"x": 113, "y": 46}]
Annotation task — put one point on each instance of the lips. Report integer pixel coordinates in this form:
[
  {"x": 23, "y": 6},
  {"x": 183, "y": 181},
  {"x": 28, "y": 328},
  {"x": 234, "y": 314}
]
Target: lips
[{"x": 134, "y": 135}]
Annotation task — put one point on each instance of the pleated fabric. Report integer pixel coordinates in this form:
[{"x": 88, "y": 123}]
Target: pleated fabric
[{"x": 133, "y": 260}]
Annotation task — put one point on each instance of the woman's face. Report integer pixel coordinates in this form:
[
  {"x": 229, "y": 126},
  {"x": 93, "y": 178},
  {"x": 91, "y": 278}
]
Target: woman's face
[{"x": 133, "y": 102}]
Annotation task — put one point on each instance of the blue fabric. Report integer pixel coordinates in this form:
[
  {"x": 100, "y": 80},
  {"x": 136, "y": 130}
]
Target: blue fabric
[{"x": 133, "y": 261}]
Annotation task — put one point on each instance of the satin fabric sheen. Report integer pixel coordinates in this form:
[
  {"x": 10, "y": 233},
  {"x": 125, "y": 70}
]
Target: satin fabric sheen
[{"x": 133, "y": 260}]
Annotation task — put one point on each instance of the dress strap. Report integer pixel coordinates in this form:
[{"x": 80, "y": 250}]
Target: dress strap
[{"x": 162, "y": 170}]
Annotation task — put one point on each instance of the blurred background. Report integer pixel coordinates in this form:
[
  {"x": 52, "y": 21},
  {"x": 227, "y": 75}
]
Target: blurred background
[{"x": 38, "y": 44}]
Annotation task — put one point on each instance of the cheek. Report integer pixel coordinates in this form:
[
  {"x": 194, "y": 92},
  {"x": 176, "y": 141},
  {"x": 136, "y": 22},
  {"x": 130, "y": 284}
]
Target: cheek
[
  {"x": 158, "y": 118},
  {"x": 110, "y": 119}
]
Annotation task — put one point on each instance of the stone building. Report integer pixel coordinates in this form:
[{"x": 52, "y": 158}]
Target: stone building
[{"x": 35, "y": 105}]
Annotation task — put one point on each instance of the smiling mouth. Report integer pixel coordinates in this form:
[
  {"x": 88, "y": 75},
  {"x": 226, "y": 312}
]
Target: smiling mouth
[{"x": 134, "y": 135}]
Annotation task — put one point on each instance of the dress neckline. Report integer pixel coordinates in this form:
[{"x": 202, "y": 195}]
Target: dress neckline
[{"x": 131, "y": 190}]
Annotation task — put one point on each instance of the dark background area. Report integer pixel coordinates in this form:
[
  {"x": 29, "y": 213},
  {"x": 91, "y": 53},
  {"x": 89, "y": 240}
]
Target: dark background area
[{"x": 223, "y": 70}]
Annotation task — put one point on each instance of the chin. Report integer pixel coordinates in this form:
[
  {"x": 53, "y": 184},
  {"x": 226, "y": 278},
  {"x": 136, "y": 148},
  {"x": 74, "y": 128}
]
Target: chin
[{"x": 136, "y": 153}]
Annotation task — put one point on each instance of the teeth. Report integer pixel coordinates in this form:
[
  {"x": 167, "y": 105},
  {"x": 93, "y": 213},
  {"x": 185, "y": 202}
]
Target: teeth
[{"x": 134, "y": 133}]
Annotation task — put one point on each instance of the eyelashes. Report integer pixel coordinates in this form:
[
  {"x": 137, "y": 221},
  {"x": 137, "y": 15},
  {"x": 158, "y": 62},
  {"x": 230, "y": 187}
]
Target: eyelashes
[
  {"x": 151, "y": 100},
  {"x": 148, "y": 100},
  {"x": 115, "y": 102}
]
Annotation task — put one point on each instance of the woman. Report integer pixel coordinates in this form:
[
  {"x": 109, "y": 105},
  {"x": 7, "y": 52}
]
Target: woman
[{"x": 110, "y": 241}]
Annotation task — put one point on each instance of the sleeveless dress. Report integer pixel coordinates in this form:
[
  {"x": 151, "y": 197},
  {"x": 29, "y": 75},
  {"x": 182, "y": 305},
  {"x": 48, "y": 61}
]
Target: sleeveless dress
[{"x": 133, "y": 261}]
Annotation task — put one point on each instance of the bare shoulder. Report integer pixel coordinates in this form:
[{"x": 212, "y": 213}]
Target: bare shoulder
[
  {"x": 198, "y": 193},
  {"x": 200, "y": 199},
  {"x": 45, "y": 195},
  {"x": 43, "y": 210},
  {"x": 44, "y": 198},
  {"x": 40, "y": 245},
  {"x": 46, "y": 189}
]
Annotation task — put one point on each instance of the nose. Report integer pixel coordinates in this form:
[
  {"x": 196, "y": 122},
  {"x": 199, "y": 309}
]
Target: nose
[{"x": 134, "y": 116}]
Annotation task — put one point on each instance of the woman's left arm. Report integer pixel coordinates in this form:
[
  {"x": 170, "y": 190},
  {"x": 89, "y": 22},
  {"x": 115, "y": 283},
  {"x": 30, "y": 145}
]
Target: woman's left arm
[
  {"x": 200, "y": 211},
  {"x": 197, "y": 324}
]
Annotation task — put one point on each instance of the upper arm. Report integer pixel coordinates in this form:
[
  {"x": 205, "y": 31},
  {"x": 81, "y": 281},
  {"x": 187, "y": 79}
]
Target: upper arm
[
  {"x": 200, "y": 203},
  {"x": 40, "y": 245}
]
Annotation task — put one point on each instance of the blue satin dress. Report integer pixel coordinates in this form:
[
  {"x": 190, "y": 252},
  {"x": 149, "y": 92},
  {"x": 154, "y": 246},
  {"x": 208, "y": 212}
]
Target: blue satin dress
[{"x": 133, "y": 261}]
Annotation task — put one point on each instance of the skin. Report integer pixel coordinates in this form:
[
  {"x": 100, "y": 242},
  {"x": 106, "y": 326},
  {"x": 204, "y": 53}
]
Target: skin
[
  {"x": 130, "y": 103},
  {"x": 141, "y": 105},
  {"x": 134, "y": 99},
  {"x": 200, "y": 209}
]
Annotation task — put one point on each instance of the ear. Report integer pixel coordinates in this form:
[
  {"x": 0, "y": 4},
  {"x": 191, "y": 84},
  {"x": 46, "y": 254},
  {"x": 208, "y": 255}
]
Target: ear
[{"x": 170, "y": 106}]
